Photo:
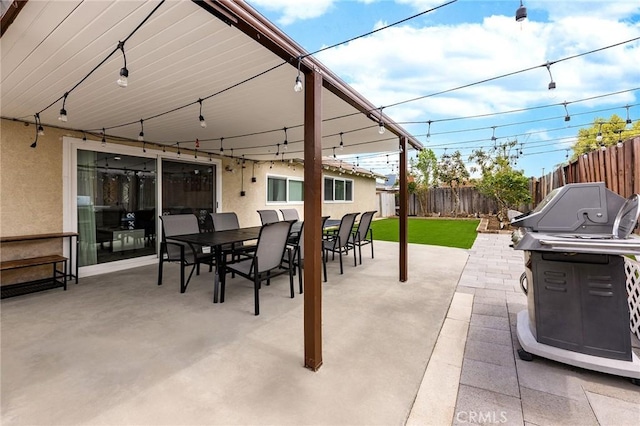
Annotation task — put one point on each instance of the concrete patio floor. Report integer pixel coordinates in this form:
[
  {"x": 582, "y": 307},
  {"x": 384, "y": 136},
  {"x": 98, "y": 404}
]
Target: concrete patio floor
[
  {"x": 440, "y": 349},
  {"x": 117, "y": 349}
]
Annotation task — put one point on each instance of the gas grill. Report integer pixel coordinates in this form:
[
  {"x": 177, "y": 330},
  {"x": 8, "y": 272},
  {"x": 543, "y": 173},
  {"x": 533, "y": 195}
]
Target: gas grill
[{"x": 577, "y": 310}]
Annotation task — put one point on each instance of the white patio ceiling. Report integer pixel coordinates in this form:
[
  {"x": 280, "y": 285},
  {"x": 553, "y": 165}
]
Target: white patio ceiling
[{"x": 182, "y": 53}]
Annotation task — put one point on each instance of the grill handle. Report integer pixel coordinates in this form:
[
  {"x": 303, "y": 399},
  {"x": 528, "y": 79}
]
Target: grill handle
[{"x": 524, "y": 285}]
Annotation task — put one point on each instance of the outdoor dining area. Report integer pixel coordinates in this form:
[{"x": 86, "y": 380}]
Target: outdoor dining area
[
  {"x": 257, "y": 253},
  {"x": 119, "y": 349}
]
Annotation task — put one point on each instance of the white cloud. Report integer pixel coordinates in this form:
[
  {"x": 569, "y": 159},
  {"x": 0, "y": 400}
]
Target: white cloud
[
  {"x": 294, "y": 10},
  {"x": 402, "y": 63}
]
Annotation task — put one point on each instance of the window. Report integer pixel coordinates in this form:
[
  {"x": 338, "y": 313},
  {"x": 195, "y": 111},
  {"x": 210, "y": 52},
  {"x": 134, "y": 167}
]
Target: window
[
  {"x": 284, "y": 190},
  {"x": 337, "y": 189}
]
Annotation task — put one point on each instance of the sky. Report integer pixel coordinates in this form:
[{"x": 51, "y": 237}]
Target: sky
[{"x": 404, "y": 68}]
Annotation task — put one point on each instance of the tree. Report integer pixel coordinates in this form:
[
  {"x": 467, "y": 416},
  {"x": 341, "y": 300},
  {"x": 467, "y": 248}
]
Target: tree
[
  {"x": 452, "y": 172},
  {"x": 612, "y": 130},
  {"x": 424, "y": 176},
  {"x": 499, "y": 181}
]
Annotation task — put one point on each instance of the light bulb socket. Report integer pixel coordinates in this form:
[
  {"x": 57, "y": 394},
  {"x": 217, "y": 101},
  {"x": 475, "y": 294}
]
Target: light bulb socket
[
  {"x": 203, "y": 123},
  {"x": 141, "y": 136},
  {"x": 521, "y": 13},
  {"x": 567, "y": 118},
  {"x": 63, "y": 115},
  {"x": 40, "y": 130},
  {"x": 123, "y": 81},
  {"x": 552, "y": 85}
]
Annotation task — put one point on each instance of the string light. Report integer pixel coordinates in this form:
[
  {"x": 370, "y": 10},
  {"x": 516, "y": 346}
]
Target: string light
[
  {"x": 429, "y": 131},
  {"x": 203, "y": 123},
  {"x": 297, "y": 87},
  {"x": 123, "y": 80},
  {"x": 552, "y": 84},
  {"x": 104, "y": 138},
  {"x": 567, "y": 117},
  {"x": 599, "y": 135},
  {"x": 63, "y": 112},
  {"x": 286, "y": 142},
  {"x": 381, "y": 124},
  {"x": 628, "y": 117},
  {"x": 619, "y": 144},
  {"x": 521, "y": 13},
  {"x": 221, "y": 147},
  {"x": 36, "y": 118},
  {"x": 278, "y": 151},
  {"x": 341, "y": 142},
  {"x": 84, "y": 137},
  {"x": 178, "y": 145},
  {"x": 141, "y": 134},
  {"x": 144, "y": 147},
  {"x": 40, "y": 128}
]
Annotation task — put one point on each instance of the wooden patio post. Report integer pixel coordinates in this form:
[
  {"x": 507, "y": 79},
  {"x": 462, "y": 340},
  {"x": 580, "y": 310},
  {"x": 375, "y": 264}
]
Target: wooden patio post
[
  {"x": 403, "y": 213},
  {"x": 312, "y": 220}
]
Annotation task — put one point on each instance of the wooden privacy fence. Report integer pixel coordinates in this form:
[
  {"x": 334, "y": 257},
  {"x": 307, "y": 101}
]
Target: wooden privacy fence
[
  {"x": 441, "y": 200},
  {"x": 617, "y": 167}
]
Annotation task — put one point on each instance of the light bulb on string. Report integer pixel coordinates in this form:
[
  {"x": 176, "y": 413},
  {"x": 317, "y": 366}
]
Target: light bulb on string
[
  {"x": 221, "y": 147},
  {"x": 552, "y": 84},
  {"x": 104, "y": 138},
  {"x": 567, "y": 117},
  {"x": 141, "y": 134},
  {"x": 203, "y": 123},
  {"x": 285, "y": 144},
  {"x": 599, "y": 135},
  {"x": 63, "y": 112},
  {"x": 297, "y": 87},
  {"x": 381, "y": 128},
  {"x": 341, "y": 142},
  {"x": 123, "y": 80},
  {"x": 628, "y": 122}
]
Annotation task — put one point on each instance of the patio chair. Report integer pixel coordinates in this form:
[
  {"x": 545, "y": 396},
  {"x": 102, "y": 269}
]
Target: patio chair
[
  {"x": 298, "y": 259},
  {"x": 268, "y": 216},
  {"x": 266, "y": 262},
  {"x": 363, "y": 234},
  {"x": 290, "y": 214},
  {"x": 338, "y": 242},
  {"x": 225, "y": 222},
  {"x": 186, "y": 254}
]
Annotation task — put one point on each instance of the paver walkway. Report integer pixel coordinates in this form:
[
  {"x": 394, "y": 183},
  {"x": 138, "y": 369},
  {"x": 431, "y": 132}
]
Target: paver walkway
[{"x": 495, "y": 386}]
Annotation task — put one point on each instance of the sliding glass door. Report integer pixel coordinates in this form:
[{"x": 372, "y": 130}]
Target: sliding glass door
[
  {"x": 189, "y": 188},
  {"x": 116, "y": 202}
]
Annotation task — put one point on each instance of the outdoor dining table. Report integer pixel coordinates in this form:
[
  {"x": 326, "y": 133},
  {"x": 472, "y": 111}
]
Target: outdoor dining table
[{"x": 216, "y": 240}]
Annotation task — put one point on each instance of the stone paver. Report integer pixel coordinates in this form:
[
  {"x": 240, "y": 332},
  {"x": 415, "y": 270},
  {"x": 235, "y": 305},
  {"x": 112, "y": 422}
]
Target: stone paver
[{"x": 496, "y": 387}]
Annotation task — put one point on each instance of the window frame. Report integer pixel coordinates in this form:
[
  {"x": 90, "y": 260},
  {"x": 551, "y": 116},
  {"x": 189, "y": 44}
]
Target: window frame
[
  {"x": 346, "y": 184},
  {"x": 287, "y": 179}
]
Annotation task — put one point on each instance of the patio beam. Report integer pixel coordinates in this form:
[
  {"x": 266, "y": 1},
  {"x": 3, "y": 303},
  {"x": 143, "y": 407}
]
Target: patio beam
[
  {"x": 403, "y": 213},
  {"x": 312, "y": 220}
]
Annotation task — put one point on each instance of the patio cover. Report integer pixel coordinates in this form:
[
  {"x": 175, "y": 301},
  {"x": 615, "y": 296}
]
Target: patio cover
[
  {"x": 184, "y": 52},
  {"x": 178, "y": 52}
]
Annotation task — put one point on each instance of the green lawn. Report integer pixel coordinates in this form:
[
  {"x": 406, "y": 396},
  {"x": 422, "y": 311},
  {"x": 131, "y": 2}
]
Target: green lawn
[{"x": 437, "y": 232}]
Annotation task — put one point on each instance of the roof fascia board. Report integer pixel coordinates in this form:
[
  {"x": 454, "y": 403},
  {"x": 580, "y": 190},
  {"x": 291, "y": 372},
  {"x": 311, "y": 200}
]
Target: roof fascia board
[
  {"x": 11, "y": 14},
  {"x": 256, "y": 26}
]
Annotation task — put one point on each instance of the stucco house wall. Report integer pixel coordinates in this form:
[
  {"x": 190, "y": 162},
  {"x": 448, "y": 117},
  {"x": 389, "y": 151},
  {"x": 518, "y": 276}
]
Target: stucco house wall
[{"x": 32, "y": 195}]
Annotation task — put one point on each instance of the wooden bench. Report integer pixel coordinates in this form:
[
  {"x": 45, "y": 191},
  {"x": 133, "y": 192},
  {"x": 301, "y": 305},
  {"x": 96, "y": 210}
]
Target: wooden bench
[{"x": 58, "y": 277}]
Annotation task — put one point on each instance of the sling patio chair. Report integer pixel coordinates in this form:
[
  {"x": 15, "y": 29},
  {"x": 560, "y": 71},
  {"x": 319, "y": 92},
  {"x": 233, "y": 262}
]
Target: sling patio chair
[
  {"x": 338, "y": 242},
  {"x": 268, "y": 216},
  {"x": 363, "y": 234},
  {"x": 265, "y": 262},
  {"x": 186, "y": 254}
]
